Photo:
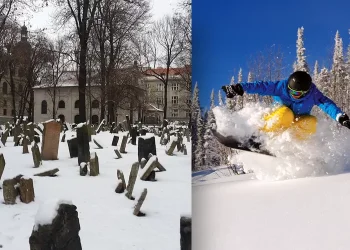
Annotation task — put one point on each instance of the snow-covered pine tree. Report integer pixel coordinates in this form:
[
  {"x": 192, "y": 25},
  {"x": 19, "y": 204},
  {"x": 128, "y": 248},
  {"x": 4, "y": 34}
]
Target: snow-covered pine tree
[
  {"x": 324, "y": 85},
  {"x": 198, "y": 155},
  {"x": 211, "y": 145},
  {"x": 338, "y": 73},
  {"x": 195, "y": 113},
  {"x": 315, "y": 73},
  {"x": 240, "y": 99},
  {"x": 221, "y": 102},
  {"x": 301, "y": 63},
  {"x": 251, "y": 97},
  {"x": 347, "y": 80}
]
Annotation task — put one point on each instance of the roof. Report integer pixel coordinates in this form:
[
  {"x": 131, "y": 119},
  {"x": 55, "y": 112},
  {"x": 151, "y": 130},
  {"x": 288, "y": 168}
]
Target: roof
[{"x": 172, "y": 71}]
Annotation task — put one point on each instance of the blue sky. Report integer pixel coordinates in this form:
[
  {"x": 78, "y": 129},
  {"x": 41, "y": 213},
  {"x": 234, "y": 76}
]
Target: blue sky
[{"x": 227, "y": 33}]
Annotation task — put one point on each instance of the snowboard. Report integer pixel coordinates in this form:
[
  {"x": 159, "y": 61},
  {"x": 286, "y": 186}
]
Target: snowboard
[{"x": 250, "y": 145}]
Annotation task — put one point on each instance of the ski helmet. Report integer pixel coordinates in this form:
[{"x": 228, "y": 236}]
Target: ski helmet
[{"x": 300, "y": 81}]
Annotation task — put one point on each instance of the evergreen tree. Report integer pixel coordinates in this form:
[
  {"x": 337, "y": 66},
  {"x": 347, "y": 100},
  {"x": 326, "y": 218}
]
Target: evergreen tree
[
  {"x": 316, "y": 72},
  {"x": 198, "y": 155},
  {"x": 324, "y": 81},
  {"x": 195, "y": 113},
  {"x": 221, "y": 102},
  {"x": 301, "y": 63},
  {"x": 240, "y": 99}
]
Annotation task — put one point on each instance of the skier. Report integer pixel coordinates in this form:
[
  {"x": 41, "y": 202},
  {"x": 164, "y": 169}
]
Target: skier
[{"x": 296, "y": 96}]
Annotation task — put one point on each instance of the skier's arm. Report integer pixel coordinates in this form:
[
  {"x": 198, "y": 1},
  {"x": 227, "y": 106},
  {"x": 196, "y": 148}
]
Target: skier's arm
[
  {"x": 328, "y": 106},
  {"x": 261, "y": 87}
]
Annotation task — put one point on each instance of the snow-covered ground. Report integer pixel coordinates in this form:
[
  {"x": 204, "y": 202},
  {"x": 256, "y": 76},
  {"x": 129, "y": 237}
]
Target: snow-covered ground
[
  {"x": 106, "y": 218},
  {"x": 299, "y": 200}
]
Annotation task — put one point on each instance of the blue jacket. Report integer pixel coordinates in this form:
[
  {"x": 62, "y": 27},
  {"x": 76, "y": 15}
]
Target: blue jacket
[{"x": 302, "y": 106}]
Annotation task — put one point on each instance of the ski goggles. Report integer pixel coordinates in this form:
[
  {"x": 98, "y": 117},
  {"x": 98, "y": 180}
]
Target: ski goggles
[{"x": 297, "y": 93}]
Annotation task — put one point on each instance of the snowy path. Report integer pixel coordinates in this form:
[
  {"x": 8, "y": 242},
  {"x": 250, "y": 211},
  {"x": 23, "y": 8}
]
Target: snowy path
[
  {"x": 307, "y": 213},
  {"x": 106, "y": 218}
]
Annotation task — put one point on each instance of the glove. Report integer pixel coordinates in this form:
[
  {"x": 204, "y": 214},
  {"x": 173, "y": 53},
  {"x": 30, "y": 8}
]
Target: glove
[
  {"x": 344, "y": 120},
  {"x": 233, "y": 90}
]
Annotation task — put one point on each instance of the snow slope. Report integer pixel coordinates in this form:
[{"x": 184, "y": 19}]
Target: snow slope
[{"x": 106, "y": 218}]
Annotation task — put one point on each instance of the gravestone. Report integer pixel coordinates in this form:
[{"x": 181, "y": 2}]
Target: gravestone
[
  {"x": 83, "y": 144},
  {"x": 4, "y": 137},
  {"x": 170, "y": 149},
  {"x": 133, "y": 134},
  {"x": 137, "y": 208},
  {"x": 63, "y": 139},
  {"x": 143, "y": 163},
  {"x": 132, "y": 179},
  {"x": 123, "y": 144},
  {"x": 185, "y": 149},
  {"x": 99, "y": 128},
  {"x": 143, "y": 132},
  {"x": 94, "y": 166},
  {"x": 16, "y": 132},
  {"x": 26, "y": 190},
  {"x": 36, "y": 155},
  {"x": 117, "y": 153},
  {"x": 50, "y": 173},
  {"x": 146, "y": 146},
  {"x": 115, "y": 140},
  {"x": 61, "y": 234},
  {"x": 51, "y": 139},
  {"x": 83, "y": 169},
  {"x": 10, "y": 191},
  {"x": 185, "y": 233},
  {"x": 30, "y": 127},
  {"x": 2, "y": 164},
  {"x": 121, "y": 184},
  {"x": 112, "y": 128},
  {"x": 97, "y": 144},
  {"x": 149, "y": 173},
  {"x": 73, "y": 147},
  {"x": 25, "y": 143}
]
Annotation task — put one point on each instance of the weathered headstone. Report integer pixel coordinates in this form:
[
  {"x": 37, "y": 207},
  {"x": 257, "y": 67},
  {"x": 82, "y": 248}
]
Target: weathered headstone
[
  {"x": 83, "y": 144},
  {"x": 51, "y": 139},
  {"x": 30, "y": 127},
  {"x": 185, "y": 233},
  {"x": 4, "y": 137},
  {"x": 83, "y": 169},
  {"x": 137, "y": 208},
  {"x": 133, "y": 134},
  {"x": 26, "y": 190},
  {"x": 123, "y": 144},
  {"x": 148, "y": 172},
  {"x": 112, "y": 128},
  {"x": 99, "y": 128},
  {"x": 36, "y": 156},
  {"x": 115, "y": 140},
  {"x": 94, "y": 166},
  {"x": 10, "y": 191},
  {"x": 63, "y": 139},
  {"x": 61, "y": 234},
  {"x": 25, "y": 145},
  {"x": 117, "y": 153},
  {"x": 132, "y": 179},
  {"x": 16, "y": 132},
  {"x": 170, "y": 149},
  {"x": 185, "y": 149},
  {"x": 73, "y": 147},
  {"x": 97, "y": 144},
  {"x": 146, "y": 146},
  {"x": 50, "y": 173},
  {"x": 121, "y": 184},
  {"x": 2, "y": 164},
  {"x": 143, "y": 163},
  {"x": 128, "y": 124}
]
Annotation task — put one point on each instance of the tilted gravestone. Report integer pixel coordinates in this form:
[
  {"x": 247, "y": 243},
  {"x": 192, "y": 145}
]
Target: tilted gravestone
[
  {"x": 121, "y": 184},
  {"x": 185, "y": 233},
  {"x": 123, "y": 144},
  {"x": 137, "y": 208},
  {"x": 148, "y": 171},
  {"x": 117, "y": 153},
  {"x": 51, "y": 139},
  {"x": 36, "y": 155},
  {"x": 61, "y": 234},
  {"x": 132, "y": 179},
  {"x": 73, "y": 147},
  {"x": 63, "y": 139},
  {"x": 146, "y": 146},
  {"x": 143, "y": 163},
  {"x": 83, "y": 143},
  {"x": 94, "y": 166},
  {"x": 2, "y": 164},
  {"x": 4, "y": 136},
  {"x": 97, "y": 144},
  {"x": 50, "y": 173},
  {"x": 115, "y": 140},
  {"x": 170, "y": 149}
]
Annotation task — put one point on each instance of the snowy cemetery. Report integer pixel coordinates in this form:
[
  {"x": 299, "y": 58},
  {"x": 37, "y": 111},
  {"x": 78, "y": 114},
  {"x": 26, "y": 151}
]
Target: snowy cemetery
[{"x": 133, "y": 192}]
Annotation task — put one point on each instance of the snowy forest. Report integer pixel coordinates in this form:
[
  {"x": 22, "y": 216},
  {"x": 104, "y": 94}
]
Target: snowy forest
[{"x": 268, "y": 65}]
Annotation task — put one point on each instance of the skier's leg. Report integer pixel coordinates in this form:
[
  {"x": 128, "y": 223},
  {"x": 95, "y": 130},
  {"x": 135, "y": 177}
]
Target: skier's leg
[
  {"x": 279, "y": 120},
  {"x": 304, "y": 126}
]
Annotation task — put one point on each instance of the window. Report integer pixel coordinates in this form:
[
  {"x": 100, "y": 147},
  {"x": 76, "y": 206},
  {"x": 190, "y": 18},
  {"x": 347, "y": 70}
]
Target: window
[
  {"x": 44, "y": 107},
  {"x": 159, "y": 100},
  {"x": 94, "y": 119},
  {"x": 95, "y": 104},
  {"x": 61, "y": 104},
  {"x": 160, "y": 87},
  {"x": 175, "y": 113},
  {"x": 174, "y": 99},
  {"x": 76, "y": 104},
  {"x": 5, "y": 111},
  {"x": 4, "y": 88},
  {"x": 175, "y": 86}
]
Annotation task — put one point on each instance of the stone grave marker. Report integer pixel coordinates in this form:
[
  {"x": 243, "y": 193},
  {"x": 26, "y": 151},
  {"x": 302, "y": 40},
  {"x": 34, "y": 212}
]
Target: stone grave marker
[
  {"x": 170, "y": 149},
  {"x": 83, "y": 169},
  {"x": 185, "y": 233},
  {"x": 4, "y": 136},
  {"x": 25, "y": 143},
  {"x": 83, "y": 143},
  {"x": 185, "y": 149},
  {"x": 148, "y": 171},
  {"x": 73, "y": 147},
  {"x": 2, "y": 164},
  {"x": 143, "y": 163},
  {"x": 94, "y": 166},
  {"x": 26, "y": 190},
  {"x": 121, "y": 184},
  {"x": 63, "y": 139},
  {"x": 146, "y": 146},
  {"x": 10, "y": 191},
  {"x": 36, "y": 155},
  {"x": 115, "y": 140},
  {"x": 112, "y": 128},
  {"x": 117, "y": 153},
  {"x": 99, "y": 128},
  {"x": 137, "y": 208},
  {"x": 50, "y": 173},
  {"x": 30, "y": 127},
  {"x": 123, "y": 144},
  {"x": 132, "y": 179},
  {"x": 97, "y": 144},
  {"x": 62, "y": 233},
  {"x": 51, "y": 139},
  {"x": 133, "y": 134}
]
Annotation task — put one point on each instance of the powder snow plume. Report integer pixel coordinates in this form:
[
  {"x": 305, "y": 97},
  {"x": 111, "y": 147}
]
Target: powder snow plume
[{"x": 326, "y": 152}]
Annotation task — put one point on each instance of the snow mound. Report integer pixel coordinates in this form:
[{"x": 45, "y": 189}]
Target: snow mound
[{"x": 326, "y": 152}]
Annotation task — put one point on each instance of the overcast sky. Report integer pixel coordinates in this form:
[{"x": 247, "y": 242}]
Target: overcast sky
[{"x": 41, "y": 19}]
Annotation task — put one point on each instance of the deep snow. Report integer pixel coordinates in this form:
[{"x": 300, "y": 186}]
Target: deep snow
[{"x": 106, "y": 218}]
